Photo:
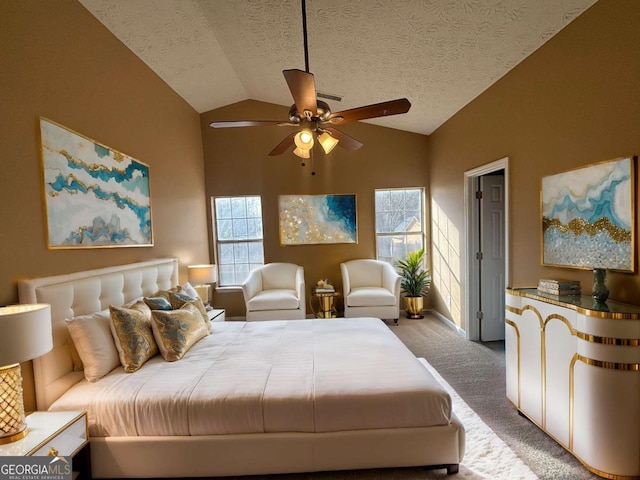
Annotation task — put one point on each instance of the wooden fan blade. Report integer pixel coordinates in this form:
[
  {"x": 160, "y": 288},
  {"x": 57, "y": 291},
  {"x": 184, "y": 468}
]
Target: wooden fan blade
[
  {"x": 384, "y": 109},
  {"x": 303, "y": 90},
  {"x": 252, "y": 123},
  {"x": 345, "y": 141},
  {"x": 283, "y": 146}
]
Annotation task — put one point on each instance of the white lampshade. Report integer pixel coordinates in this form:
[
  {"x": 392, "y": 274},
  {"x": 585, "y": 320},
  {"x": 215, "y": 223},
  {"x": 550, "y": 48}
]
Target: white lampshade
[
  {"x": 202, "y": 274},
  {"x": 304, "y": 139},
  {"x": 25, "y": 332},
  {"x": 327, "y": 142}
]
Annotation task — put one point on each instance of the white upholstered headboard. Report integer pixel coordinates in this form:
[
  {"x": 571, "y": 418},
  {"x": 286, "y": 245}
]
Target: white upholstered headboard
[{"x": 79, "y": 294}]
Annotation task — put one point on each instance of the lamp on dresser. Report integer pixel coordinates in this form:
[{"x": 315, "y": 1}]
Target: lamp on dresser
[
  {"x": 25, "y": 333},
  {"x": 200, "y": 276}
]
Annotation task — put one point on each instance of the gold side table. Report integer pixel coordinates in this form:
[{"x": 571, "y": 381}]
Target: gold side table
[{"x": 326, "y": 304}]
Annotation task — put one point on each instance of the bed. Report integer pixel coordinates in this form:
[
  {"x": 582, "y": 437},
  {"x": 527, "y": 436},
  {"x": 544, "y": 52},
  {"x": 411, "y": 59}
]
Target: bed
[{"x": 249, "y": 398}]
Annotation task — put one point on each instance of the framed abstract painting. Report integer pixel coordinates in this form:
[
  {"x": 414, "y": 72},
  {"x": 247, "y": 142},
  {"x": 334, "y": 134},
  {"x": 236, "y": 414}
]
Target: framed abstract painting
[
  {"x": 95, "y": 197},
  {"x": 317, "y": 219},
  {"x": 588, "y": 216}
]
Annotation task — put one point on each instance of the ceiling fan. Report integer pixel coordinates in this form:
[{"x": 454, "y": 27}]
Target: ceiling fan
[{"x": 313, "y": 116}]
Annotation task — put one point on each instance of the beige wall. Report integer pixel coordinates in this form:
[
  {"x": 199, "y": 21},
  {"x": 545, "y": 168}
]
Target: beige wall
[
  {"x": 236, "y": 163},
  {"x": 58, "y": 61},
  {"x": 573, "y": 102}
]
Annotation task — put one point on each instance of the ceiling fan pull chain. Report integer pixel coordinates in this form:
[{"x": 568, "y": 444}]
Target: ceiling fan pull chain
[
  {"x": 313, "y": 166},
  {"x": 304, "y": 33}
]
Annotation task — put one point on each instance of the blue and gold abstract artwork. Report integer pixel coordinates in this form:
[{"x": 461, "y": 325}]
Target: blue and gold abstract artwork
[
  {"x": 317, "y": 219},
  {"x": 588, "y": 216},
  {"x": 94, "y": 196}
]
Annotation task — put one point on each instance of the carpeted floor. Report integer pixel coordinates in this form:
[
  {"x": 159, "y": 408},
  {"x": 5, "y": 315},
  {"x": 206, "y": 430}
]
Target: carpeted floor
[{"x": 477, "y": 372}]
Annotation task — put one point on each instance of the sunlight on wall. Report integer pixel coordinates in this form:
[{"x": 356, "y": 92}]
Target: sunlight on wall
[{"x": 446, "y": 270}]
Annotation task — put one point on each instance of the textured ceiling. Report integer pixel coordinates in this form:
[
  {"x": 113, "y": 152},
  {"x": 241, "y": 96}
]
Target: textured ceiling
[{"x": 440, "y": 54}]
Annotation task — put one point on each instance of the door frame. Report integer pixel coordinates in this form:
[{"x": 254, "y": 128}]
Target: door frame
[{"x": 471, "y": 241}]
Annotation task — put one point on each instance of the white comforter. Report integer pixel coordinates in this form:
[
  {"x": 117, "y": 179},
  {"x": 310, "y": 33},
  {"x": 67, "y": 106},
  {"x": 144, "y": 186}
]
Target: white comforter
[{"x": 276, "y": 376}]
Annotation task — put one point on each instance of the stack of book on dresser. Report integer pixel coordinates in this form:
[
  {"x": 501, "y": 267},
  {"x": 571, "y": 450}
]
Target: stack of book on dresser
[{"x": 558, "y": 288}]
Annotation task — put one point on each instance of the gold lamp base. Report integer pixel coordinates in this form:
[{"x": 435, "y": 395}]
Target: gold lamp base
[
  {"x": 203, "y": 292},
  {"x": 13, "y": 426}
]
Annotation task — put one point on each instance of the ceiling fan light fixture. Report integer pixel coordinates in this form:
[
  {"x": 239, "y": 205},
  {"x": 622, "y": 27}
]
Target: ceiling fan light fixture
[
  {"x": 301, "y": 152},
  {"x": 304, "y": 139},
  {"x": 327, "y": 142}
]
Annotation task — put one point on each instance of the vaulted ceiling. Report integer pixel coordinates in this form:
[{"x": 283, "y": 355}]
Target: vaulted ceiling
[{"x": 440, "y": 54}]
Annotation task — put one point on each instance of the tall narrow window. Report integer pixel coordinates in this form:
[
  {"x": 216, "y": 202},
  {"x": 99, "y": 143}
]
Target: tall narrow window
[
  {"x": 239, "y": 243},
  {"x": 399, "y": 222}
]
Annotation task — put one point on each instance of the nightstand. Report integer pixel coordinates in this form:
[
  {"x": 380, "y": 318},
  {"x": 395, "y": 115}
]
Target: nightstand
[
  {"x": 216, "y": 315},
  {"x": 63, "y": 434}
]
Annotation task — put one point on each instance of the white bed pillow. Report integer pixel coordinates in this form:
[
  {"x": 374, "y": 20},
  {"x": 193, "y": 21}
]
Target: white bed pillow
[
  {"x": 189, "y": 290},
  {"x": 91, "y": 335}
]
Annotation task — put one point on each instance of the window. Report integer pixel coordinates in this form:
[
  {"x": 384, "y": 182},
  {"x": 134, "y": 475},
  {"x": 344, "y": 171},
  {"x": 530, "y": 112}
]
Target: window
[
  {"x": 239, "y": 245},
  {"x": 399, "y": 223}
]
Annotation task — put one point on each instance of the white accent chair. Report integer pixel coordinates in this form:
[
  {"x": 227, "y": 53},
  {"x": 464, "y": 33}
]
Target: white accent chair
[
  {"x": 275, "y": 291},
  {"x": 371, "y": 288}
]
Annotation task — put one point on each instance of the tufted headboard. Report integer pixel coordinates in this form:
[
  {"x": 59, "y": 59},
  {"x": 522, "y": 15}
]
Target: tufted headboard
[{"x": 79, "y": 294}]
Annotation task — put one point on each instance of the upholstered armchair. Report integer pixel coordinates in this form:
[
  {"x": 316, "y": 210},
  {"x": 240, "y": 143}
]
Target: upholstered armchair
[
  {"x": 275, "y": 291},
  {"x": 371, "y": 289}
]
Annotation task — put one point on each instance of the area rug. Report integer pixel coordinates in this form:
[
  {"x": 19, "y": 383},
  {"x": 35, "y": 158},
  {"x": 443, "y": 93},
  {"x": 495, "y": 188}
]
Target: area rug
[{"x": 486, "y": 455}]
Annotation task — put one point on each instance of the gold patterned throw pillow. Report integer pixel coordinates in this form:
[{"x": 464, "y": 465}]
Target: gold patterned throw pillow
[
  {"x": 157, "y": 303},
  {"x": 180, "y": 299},
  {"x": 176, "y": 331},
  {"x": 166, "y": 294},
  {"x": 131, "y": 328}
]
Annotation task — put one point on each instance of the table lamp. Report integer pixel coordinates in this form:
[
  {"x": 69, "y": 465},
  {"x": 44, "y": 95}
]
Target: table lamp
[
  {"x": 200, "y": 276},
  {"x": 25, "y": 333}
]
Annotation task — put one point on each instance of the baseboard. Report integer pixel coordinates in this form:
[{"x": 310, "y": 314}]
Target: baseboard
[{"x": 447, "y": 322}]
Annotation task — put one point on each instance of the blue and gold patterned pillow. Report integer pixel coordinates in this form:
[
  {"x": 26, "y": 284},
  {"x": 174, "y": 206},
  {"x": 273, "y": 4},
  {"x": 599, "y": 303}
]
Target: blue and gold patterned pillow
[
  {"x": 171, "y": 297},
  {"x": 179, "y": 299},
  {"x": 157, "y": 303},
  {"x": 131, "y": 328},
  {"x": 177, "y": 331}
]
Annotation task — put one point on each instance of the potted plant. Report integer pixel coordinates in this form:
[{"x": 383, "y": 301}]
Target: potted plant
[{"x": 415, "y": 281}]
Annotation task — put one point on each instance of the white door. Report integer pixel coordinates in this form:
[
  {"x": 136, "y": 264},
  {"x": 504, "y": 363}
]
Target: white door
[{"x": 492, "y": 257}]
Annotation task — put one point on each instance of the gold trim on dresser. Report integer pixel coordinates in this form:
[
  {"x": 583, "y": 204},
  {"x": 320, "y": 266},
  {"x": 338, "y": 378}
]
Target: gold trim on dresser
[
  {"x": 619, "y": 342},
  {"x": 513, "y": 324},
  {"x": 571, "y": 396},
  {"x": 555, "y": 316},
  {"x": 633, "y": 367},
  {"x": 587, "y": 337}
]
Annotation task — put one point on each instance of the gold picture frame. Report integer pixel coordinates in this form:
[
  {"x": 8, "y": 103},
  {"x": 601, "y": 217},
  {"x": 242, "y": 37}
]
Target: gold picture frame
[
  {"x": 588, "y": 216},
  {"x": 318, "y": 219},
  {"x": 94, "y": 196}
]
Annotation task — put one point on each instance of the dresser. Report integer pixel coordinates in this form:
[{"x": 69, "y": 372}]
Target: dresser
[{"x": 573, "y": 368}]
